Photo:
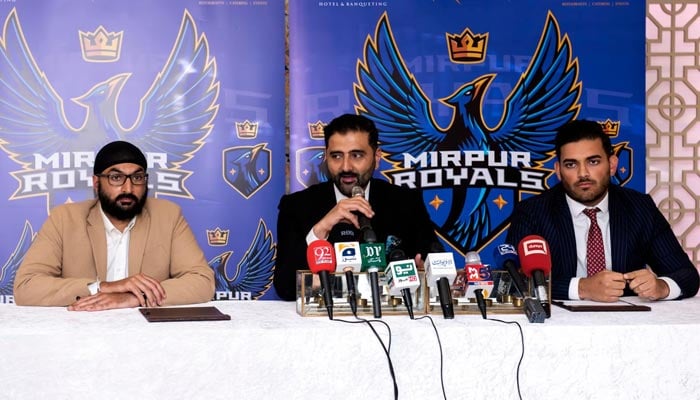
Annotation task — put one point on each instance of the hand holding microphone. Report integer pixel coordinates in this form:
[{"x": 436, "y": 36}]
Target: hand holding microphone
[{"x": 321, "y": 259}]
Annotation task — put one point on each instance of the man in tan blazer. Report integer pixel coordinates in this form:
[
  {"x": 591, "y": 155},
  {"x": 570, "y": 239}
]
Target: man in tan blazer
[{"x": 121, "y": 250}]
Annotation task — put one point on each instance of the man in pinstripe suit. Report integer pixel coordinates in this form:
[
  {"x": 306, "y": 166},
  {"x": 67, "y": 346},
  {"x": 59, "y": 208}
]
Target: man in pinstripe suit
[{"x": 642, "y": 255}]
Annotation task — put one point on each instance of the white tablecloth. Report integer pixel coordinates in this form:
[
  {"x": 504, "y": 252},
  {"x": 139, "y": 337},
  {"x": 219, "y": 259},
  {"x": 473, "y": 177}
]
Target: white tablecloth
[{"x": 267, "y": 351}]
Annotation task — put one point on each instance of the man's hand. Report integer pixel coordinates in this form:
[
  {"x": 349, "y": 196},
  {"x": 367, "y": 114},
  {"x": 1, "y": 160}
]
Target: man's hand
[
  {"x": 647, "y": 286},
  {"x": 105, "y": 301},
  {"x": 343, "y": 212},
  {"x": 420, "y": 263},
  {"x": 606, "y": 286},
  {"x": 147, "y": 290}
]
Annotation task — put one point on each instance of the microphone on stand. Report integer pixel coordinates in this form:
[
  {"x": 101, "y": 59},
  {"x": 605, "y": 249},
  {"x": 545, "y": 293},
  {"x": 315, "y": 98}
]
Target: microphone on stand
[
  {"x": 373, "y": 255},
  {"x": 321, "y": 259},
  {"x": 533, "y": 308},
  {"x": 440, "y": 271},
  {"x": 402, "y": 278},
  {"x": 373, "y": 258},
  {"x": 347, "y": 255},
  {"x": 537, "y": 264}
]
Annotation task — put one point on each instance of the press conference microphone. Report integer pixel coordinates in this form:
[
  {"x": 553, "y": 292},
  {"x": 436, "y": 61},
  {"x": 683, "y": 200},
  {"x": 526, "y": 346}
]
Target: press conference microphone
[
  {"x": 373, "y": 258},
  {"x": 506, "y": 260},
  {"x": 501, "y": 254},
  {"x": 402, "y": 277},
  {"x": 321, "y": 259},
  {"x": 537, "y": 264},
  {"x": 348, "y": 260},
  {"x": 440, "y": 271},
  {"x": 362, "y": 219}
]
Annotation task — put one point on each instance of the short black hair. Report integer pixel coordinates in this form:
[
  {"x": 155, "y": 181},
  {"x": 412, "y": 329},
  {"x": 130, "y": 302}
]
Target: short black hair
[
  {"x": 352, "y": 122},
  {"x": 574, "y": 131}
]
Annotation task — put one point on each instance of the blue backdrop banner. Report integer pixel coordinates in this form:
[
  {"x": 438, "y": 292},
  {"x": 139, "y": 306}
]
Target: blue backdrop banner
[
  {"x": 197, "y": 85},
  {"x": 467, "y": 96}
]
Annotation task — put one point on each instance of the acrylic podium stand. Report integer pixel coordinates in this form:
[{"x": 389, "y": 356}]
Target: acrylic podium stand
[{"x": 310, "y": 300}]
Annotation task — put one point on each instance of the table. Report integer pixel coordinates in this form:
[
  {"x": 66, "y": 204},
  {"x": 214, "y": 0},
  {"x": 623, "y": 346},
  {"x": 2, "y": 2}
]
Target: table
[{"x": 267, "y": 351}]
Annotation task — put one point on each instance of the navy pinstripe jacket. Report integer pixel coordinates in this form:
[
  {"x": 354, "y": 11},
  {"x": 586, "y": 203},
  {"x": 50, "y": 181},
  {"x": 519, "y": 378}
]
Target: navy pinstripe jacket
[{"x": 639, "y": 235}]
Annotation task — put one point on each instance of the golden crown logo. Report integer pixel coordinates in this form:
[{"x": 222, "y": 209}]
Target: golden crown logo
[
  {"x": 100, "y": 45},
  {"x": 611, "y": 128},
  {"x": 316, "y": 130},
  {"x": 217, "y": 237},
  {"x": 247, "y": 130},
  {"x": 467, "y": 48}
]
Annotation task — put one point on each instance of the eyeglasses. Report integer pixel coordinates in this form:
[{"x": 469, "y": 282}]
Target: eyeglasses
[{"x": 138, "y": 178}]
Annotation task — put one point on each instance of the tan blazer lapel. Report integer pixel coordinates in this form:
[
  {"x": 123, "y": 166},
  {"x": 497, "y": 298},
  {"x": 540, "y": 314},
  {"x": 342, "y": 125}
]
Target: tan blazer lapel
[
  {"x": 137, "y": 241},
  {"x": 98, "y": 240}
]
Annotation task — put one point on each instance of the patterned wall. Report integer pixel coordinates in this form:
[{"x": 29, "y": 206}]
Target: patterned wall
[{"x": 673, "y": 116}]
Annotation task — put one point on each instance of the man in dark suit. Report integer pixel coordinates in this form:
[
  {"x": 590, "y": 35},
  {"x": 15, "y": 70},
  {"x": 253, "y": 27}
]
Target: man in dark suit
[
  {"x": 325, "y": 210},
  {"x": 641, "y": 254}
]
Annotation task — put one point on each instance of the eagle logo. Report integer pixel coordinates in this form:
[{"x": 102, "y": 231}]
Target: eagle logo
[
  {"x": 454, "y": 165},
  {"x": 247, "y": 168},
  {"x": 253, "y": 273},
  {"x": 311, "y": 165},
  {"x": 174, "y": 117},
  {"x": 7, "y": 273}
]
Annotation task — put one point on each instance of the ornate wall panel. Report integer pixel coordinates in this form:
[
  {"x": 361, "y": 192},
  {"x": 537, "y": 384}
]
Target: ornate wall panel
[{"x": 673, "y": 122}]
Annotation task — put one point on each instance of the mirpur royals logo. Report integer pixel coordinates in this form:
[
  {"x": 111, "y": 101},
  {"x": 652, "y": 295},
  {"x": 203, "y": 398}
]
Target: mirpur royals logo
[
  {"x": 252, "y": 276},
  {"x": 55, "y": 157},
  {"x": 470, "y": 174}
]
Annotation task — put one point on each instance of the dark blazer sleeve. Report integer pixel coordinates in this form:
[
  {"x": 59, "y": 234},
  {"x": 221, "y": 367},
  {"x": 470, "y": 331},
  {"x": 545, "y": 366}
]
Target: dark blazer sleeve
[
  {"x": 298, "y": 212},
  {"x": 641, "y": 236}
]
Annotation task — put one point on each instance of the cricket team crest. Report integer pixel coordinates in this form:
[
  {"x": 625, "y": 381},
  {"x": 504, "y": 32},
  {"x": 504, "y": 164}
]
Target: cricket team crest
[
  {"x": 55, "y": 155},
  {"x": 247, "y": 168},
  {"x": 311, "y": 166},
  {"x": 470, "y": 174},
  {"x": 252, "y": 276}
]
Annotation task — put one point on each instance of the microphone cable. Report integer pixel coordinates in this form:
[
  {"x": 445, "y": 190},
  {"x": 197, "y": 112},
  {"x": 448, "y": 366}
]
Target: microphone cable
[
  {"x": 386, "y": 348},
  {"x": 437, "y": 335},
  {"x": 522, "y": 350}
]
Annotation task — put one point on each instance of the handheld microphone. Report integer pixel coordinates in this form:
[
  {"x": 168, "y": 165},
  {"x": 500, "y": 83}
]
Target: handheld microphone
[
  {"x": 537, "y": 264},
  {"x": 440, "y": 271},
  {"x": 362, "y": 219},
  {"x": 347, "y": 255},
  {"x": 533, "y": 309},
  {"x": 373, "y": 258},
  {"x": 402, "y": 277},
  {"x": 321, "y": 259}
]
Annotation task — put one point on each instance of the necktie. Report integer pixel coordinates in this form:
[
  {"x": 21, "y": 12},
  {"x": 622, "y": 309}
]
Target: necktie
[{"x": 595, "y": 252}]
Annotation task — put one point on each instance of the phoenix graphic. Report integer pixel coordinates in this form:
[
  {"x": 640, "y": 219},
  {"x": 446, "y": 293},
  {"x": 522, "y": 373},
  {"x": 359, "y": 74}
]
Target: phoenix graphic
[
  {"x": 175, "y": 114},
  {"x": 545, "y": 97},
  {"x": 253, "y": 273},
  {"x": 7, "y": 273}
]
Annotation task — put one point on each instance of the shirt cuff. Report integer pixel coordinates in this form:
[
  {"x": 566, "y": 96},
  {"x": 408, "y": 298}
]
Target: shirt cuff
[
  {"x": 310, "y": 237},
  {"x": 674, "y": 291},
  {"x": 573, "y": 289}
]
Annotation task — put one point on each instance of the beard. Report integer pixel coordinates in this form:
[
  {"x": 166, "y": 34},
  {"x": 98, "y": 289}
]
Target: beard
[
  {"x": 589, "y": 197},
  {"x": 360, "y": 180},
  {"x": 121, "y": 213}
]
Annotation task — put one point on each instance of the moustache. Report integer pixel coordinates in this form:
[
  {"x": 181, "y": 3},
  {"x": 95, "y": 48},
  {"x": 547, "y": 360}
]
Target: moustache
[{"x": 127, "y": 196}]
